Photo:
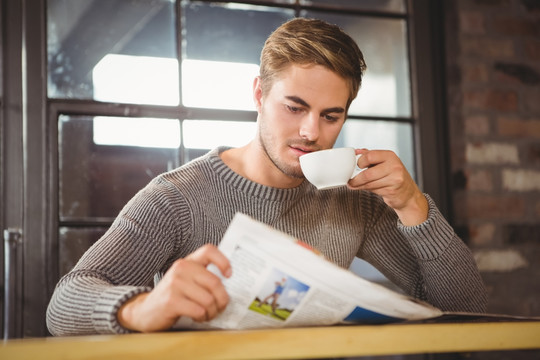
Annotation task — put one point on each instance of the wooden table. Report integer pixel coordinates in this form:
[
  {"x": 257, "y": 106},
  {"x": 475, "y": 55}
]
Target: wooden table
[{"x": 316, "y": 342}]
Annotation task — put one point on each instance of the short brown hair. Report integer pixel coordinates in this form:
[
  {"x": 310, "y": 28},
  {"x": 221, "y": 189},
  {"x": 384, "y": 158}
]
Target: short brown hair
[{"x": 312, "y": 42}]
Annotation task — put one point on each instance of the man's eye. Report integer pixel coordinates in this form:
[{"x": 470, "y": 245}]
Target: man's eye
[
  {"x": 292, "y": 109},
  {"x": 331, "y": 118}
]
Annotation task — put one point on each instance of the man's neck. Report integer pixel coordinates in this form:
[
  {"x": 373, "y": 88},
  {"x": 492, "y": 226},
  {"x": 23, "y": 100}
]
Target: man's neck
[{"x": 251, "y": 162}]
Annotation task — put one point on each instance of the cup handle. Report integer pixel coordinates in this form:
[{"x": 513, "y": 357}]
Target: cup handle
[{"x": 357, "y": 170}]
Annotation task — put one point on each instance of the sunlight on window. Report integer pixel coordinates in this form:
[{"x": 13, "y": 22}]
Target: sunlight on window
[
  {"x": 372, "y": 134},
  {"x": 382, "y": 135},
  {"x": 377, "y": 96},
  {"x": 218, "y": 85},
  {"x": 208, "y": 134},
  {"x": 136, "y": 80},
  {"x": 153, "y": 80},
  {"x": 143, "y": 132}
]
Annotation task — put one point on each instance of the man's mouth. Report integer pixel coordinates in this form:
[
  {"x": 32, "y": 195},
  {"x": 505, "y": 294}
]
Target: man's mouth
[{"x": 302, "y": 150}]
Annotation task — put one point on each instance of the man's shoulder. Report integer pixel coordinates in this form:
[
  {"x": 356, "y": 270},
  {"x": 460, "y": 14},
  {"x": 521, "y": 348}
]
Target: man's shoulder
[
  {"x": 200, "y": 169},
  {"x": 199, "y": 164}
]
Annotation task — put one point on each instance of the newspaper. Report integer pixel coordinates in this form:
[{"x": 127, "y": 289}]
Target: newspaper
[{"x": 278, "y": 281}]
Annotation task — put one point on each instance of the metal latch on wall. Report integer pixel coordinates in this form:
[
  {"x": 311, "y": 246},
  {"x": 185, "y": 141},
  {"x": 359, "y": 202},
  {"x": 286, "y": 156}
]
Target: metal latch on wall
[{"x": 12, "y": 281}]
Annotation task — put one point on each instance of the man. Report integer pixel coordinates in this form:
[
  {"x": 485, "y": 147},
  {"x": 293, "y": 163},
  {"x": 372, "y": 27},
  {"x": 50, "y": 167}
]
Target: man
[{"x": 310, "y": 73}]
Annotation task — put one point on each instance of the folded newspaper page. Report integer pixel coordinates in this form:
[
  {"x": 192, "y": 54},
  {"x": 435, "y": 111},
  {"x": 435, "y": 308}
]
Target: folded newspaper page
[{"x": 278, "y": 281}]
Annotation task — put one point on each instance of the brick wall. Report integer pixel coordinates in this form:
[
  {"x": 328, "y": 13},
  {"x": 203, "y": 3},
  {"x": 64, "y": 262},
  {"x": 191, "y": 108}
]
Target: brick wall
[{"x": 493, "y": 73}]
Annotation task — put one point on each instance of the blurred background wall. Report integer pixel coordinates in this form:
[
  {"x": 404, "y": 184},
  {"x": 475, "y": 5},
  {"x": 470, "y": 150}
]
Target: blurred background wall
[{"x": 493, "y": 100}]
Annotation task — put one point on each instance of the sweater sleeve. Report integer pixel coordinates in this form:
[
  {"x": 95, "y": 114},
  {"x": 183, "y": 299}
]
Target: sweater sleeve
[
  {"x": 451, "y": 279},
  {"x": 121, "y": 264},
  {"x": 72, "y": 313},
  {"x": 428, "y": 261}
]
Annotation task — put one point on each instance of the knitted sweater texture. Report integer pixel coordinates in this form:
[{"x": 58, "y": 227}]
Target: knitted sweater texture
[{"x": 179, "y": 211}]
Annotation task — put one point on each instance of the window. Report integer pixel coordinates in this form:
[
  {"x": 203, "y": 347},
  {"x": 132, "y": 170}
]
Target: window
[
  {"x": 78, "y": 85},
  {"x": 103, "y": 161},
  {"x": 182, "y": 73}
]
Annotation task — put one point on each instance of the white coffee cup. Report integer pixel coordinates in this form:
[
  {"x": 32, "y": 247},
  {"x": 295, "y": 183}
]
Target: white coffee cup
[{"x": 330, "y": 168}]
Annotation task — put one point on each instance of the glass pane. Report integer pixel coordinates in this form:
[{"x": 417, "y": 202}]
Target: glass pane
[
  {"x": 113, "y": 50},
  {"x": 373, "y": 5},
  {"x": 145, "y": 132},
  {"x": 223, "y": 43},
  {"x": 381, "y": 135},
  {"x": 218, "y": 84},
  {"x": 96, "y": 180},
  {"x": 73, "y": 242},
  {"x": 208, "y": 134},
  {"x": 386, "y": 85}
]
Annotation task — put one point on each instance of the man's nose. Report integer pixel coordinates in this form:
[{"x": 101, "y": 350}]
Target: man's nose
[{"x": 309, "y": 128}]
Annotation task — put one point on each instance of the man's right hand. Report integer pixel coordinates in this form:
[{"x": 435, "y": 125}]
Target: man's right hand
[{"x": 187, "y": 289}]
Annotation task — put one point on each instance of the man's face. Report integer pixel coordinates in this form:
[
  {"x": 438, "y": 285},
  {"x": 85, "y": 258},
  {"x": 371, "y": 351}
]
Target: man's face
[{"x": 303, "y": 111}]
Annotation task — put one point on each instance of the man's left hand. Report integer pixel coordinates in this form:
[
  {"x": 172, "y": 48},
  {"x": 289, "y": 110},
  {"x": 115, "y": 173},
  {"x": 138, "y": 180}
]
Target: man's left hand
[{"x": 386, "y": 176}]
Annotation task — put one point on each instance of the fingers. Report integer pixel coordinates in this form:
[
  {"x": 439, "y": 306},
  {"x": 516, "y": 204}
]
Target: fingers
[
  {"x": 371, "y": 158},
  {"x": 197, "y": 284},
  {"x": 188, "y": 288},
  {"x": 384, "y": 175},
  {"x": 202, "y": 292},
  {"x": 382, "y": 168},
  {"x": 201, "y": 298},
  {"x": 210, "y": 254}
]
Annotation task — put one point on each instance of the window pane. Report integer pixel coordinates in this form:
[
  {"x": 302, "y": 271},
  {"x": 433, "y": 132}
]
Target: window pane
[
  {"x": 112, "y": 50},
  {"x": 377, "y": 5},
  {"x": 208, "y": 134},
  {"x": 386, "y": 86},
  {"x": 136, "y": 79},
  {"x": 380, "y": 135},
  {"x": 73, "y": 242},
  {"x": 203, "y": 135},
  {"x": 218, "y": 84},
  {"x": 145, "y": 132},
  {"x": 95, "y": 180},
  {"x": 223, "y": 43}
]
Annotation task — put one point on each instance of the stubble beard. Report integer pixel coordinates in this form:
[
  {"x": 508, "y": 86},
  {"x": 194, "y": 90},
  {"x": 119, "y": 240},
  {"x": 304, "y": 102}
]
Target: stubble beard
[{"x": 270, "y": 149}]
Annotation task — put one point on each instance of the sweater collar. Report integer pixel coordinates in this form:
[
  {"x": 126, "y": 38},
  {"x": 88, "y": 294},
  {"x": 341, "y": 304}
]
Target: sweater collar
[{"x": 252, "y": 188}]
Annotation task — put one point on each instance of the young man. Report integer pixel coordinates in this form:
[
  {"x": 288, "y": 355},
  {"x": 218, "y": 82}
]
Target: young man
[{"x": 310, "y": 73}]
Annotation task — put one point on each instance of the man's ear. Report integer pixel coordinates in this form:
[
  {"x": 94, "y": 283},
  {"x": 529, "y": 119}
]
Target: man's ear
[{"x": 257, "y": 93}]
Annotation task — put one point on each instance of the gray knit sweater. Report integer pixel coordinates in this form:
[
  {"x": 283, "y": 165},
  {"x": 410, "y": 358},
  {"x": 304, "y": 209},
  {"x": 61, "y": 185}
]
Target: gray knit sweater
[{"x": 181, "y": 210}]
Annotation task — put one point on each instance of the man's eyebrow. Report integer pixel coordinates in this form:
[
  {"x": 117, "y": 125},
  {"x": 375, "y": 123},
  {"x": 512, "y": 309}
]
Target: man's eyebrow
[
  {"x": 297, "y": 100},
  {"x": 300, "y": 101},
  {"x": 334, "y": 110}
]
